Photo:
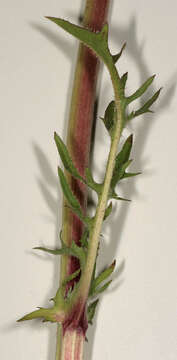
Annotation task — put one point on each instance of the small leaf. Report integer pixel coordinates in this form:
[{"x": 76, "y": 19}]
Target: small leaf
[
  {"x": 122, "y": 161},
  {"x": 91, "y": 311},
  {"x": 84, "y": 237},
  {"x": 100, "y": 278},
  {"x": 129, "y": 174},
  {"x": 123, "y": 80},
  {"x": 116, "y": 197},
  {"x": 117, "y": 56},
  {"x": 73, "y": 250},
  {"x": 140, "y": 91},
  {"x": 108, "y": 211},
  {"x": 79, "y": 252},
  {"x": 66, "y": 158},
  {"x": 71, "y": 199},
  {"x": 109, "y": 117},
  {"x": 102, "y": 288},
  {"x": 146, "y": 107},
  {"x": 62, "y": 251},
  {"x": 71, "y": 277},
  {"x": 91, "y": 182}
]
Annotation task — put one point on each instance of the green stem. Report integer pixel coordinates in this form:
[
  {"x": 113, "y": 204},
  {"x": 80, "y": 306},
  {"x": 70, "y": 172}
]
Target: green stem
[{"x": 96, "y": 230}]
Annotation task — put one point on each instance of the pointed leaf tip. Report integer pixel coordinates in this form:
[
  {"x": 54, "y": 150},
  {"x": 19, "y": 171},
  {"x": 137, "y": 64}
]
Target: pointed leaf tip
[{"x": 117, "y": 56}]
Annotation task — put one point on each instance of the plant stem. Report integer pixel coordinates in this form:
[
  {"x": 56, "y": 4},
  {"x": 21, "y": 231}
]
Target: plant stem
[
  {"x": 72, "y": 345},
  {"x": 80, "y": 126},
  {"x": 95, "y": 233},
  {"x": 78, "y": 142}
]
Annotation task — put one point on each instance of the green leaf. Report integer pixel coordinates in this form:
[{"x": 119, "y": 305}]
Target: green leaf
[
  {"x": 84, "y": 237},
  {"x": 91, "y": 311},
  {"x": 62, "y": 251},
  {"x": 109, "y": 118},
  {"x": 102, "y": 288},
  {"x": 97, "y": 41},
  {"x": 146, "y": 107},
  {"x": 122, "y": 161},
  {"x": 100, "y": 278},
  {"x": 71, "y": 199},
  {"x": 108, "y": 211},
  {"x": 117, "y": 56},
  {"x": 129, "y": 174},
  {"x": 92, "y": 183},
  {"x": 73, "y": 250},
  {"x": 42, "y": 313},
  {"x": 66, "y": 158},
  {"x": 123, "y": 80},
  {"x": 140, "y": 91},
  {"x": 116, "y": 197},
  {"x": 79, "y": 252},
  {"x": 71, "y": 277}
]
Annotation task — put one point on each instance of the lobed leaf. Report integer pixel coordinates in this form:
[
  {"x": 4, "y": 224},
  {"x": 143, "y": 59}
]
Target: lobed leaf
[
  {"x": 97, "y": 41},
  {"x": 42, "y": 313},
  {"x": 146, "y": 107},
  {"x": 140, "y": 91},
  {"x": 73, "y": 250}
]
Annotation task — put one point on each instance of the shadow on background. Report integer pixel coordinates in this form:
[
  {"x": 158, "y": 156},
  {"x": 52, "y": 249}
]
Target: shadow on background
[{"x": 49, "y": 182}]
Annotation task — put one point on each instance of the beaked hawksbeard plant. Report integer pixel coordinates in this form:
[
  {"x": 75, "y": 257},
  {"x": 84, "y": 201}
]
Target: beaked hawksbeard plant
[{"x": 77, "y": 297}]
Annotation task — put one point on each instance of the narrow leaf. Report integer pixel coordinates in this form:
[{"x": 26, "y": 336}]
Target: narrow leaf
[
  {"x": 122, "y": 161},
  {"x": 102, "y": 288},
  {"x": 79, "y": 252},
  {"x": 146, "y": 107},
  {"x": 102, "y": 277},
  {"x": 71, "y": 277},
  {"x": 123, "y": 80},
  {"x": 141, "y": 90},
  {"x": 83, "y": 240},
  {"x": 91, "y": 311},
  {"x": 129, "y": 174},
  {"x": 117, "y": 56},
  {"x": 73, "y": 250},
  {"x": 116, "y": 197},
  {"x": 62, "y": 251},
  {"x": 72, "y": 201},
  {"x": 65, "y": 157},
  {"x": 47, "y": 314},
  {"x": 91, "y": 182},
  {"x": 108, "y": 211}
]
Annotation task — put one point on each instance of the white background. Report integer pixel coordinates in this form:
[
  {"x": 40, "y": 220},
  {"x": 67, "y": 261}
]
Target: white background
[{"x": 137, "y": 318}]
